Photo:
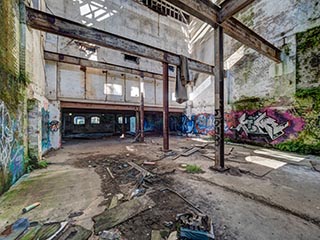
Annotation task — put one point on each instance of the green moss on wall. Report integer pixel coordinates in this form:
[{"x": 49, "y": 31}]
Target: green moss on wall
[
  {"x": 307, "y": 106},
  {"x": 308, "y": 58},
  {"x": 13, "y": 81},
  {"x": 308, "y": 39},
  {"x": 251, "y": 103}
]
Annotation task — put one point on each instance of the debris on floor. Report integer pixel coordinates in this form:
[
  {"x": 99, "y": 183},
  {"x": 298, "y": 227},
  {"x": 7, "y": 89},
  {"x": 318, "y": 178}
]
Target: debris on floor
[
  {"x": 315, "y": 166},
  {"x": 15, "y": 230},
  {"x": 113, "y": 234},
  {"x": 119, "y": 214},
  {"x": 195, "y": 227},
  {"x": 22, "y": 229},
  {"x": 30, "y": 207}
]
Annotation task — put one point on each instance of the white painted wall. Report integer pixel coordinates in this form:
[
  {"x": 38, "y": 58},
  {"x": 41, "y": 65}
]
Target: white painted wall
[{"x": 70, "y": 83}]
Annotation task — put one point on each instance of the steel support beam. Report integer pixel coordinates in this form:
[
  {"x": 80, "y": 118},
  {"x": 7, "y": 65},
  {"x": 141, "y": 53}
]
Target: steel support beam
[
  {"x": 208, "y": 12},
  {"x": 231, "y": 7},
  {"x": 219, "y": 98},
  {"x": 67, "y": 28},
  {"x": 165, "y": 107}
]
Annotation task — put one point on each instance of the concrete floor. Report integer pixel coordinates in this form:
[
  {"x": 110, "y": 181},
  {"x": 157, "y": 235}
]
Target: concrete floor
[{"x": 266, "y": 195}]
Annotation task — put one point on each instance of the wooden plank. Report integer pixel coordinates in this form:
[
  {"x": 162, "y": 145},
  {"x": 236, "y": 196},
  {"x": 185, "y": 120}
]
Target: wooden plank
[
  {"x": 189, "y": 152},
  {"x": 64, "y": 58},
  {"x": 231, "y": 7},
  {"x": 143, "y": 171},
  {"x": 208, "y": 12},
  {"x": 75, "y": 232},
  {"x": 121, "y": 213},
  {"x": 67, "y": 28}
]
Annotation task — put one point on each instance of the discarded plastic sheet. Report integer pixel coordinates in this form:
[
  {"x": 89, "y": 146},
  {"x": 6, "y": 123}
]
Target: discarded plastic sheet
[{"x": 15, "y": 230}]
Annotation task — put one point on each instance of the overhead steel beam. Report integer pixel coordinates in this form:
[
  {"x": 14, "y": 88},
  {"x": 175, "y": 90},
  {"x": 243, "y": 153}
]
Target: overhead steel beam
[
  {"x": 231, "y": 7},
  {"x": 67, "y": 28},
  {"x": 59, "y": 57},
  {"x": 208, "y": 12}
]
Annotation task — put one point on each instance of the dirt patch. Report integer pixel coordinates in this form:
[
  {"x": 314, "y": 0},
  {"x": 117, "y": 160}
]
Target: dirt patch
[
  {"x": 126, "y": 179},
  {"x": 168, "y": 205}
]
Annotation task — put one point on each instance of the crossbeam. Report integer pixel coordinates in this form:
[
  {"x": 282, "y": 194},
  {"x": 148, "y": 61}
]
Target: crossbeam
[
  {"x": 231, "y": 7},
  {"x": 60, "y": 26},
  {"x": 64, "y": 58},
  {"x": 208, "y": 12}
]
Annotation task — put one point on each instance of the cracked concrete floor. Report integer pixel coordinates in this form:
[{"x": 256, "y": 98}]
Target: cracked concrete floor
[{"x": 269, "y": 195}]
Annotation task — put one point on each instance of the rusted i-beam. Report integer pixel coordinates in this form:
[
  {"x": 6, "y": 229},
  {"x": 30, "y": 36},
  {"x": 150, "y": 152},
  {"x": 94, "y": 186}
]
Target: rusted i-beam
[
  {"x": 165, "y": 75},
  {"x": 219, "y": 98},
  {"x": 67, "y": 28}
]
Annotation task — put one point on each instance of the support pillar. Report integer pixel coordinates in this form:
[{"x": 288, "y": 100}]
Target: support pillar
[
  {"x": 142, "y": 118},
  {"x": 165, "y": 107},
  {"x": 219, "y": 98},
  {"x": 123, "y": 126}
]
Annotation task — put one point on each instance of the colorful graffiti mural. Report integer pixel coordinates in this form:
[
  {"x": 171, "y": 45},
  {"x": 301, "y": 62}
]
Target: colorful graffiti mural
[
  {"x": 264, "y": 126},
  {"x": 203, "y": 124},
  {"x": 11, "y": 152}
]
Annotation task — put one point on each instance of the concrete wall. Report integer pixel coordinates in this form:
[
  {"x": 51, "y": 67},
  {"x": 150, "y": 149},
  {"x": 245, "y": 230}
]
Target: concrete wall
[
  {"x": 122, "y": 17},
  {"x": 252, "y": 77},
  {"x": 35, "y": 67},
  {"x": 72, "y": 83}
]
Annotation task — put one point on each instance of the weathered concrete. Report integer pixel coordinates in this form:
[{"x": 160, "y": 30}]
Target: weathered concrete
[
  {"x": 283, "y": 204},
  {"x": 60, "y": 193}
]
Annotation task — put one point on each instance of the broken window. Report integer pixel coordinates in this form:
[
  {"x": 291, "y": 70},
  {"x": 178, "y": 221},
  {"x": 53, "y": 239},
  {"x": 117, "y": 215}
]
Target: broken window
[
  {"x": 95, "y": 120},
  {"x": 167, "y": 9},
  {"x": 79, "y": 120},
  {"x": 36, "y": 4},
  {"x": 113, "y": 89},
  {"x": 131, "y": 58}
]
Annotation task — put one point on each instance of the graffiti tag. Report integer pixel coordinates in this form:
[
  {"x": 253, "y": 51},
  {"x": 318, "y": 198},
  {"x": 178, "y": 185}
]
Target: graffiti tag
[{"x": 261, "y": 124}]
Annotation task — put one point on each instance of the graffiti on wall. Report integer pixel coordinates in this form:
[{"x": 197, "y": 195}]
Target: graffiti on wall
[
  {"x": 266, "y": 125},
  {"x": 261, "y": 125},
  {"x": 11, "y": 153},
  {"x": 54, "y": 125},
  {"x": 45, "y": 129},
  {"x": 203, "y": 123}
]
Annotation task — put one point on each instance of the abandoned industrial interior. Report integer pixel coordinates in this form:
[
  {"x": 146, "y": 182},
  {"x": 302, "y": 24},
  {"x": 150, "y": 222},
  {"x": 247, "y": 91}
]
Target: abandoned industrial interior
[{"x": 159, "y": 119}]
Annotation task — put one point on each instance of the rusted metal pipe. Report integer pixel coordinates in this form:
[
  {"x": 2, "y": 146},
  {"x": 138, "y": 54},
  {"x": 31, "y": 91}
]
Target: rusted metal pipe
[{"x": 165, "y": 106}]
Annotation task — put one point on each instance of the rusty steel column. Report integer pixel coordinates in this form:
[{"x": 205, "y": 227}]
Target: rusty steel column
[
  {"x": 142, "y": 118},
  {"x": 137, "y": 122},
  {"x": 219, "y": 98},
  {"x": 123, "y": 125},
  {"x": 165, "y": 107}
]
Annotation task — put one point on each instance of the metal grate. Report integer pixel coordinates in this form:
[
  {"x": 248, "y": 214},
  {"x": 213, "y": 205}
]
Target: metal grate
[{"x": 167, "y": 9}]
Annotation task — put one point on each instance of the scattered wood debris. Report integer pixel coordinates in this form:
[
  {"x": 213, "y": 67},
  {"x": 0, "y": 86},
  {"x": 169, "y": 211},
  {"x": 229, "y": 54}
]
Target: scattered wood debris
[{"x": 121, "y": 213}]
